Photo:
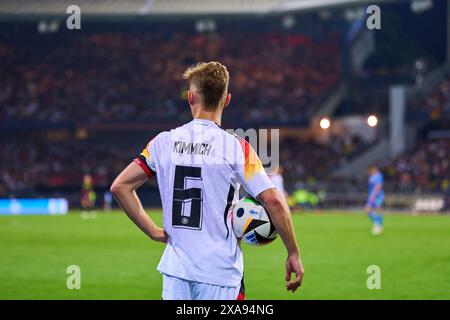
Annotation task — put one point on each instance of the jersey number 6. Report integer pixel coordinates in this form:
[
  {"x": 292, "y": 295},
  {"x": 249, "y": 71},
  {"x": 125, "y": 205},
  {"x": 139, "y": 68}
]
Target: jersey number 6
[{"x": 187, "y": 202}]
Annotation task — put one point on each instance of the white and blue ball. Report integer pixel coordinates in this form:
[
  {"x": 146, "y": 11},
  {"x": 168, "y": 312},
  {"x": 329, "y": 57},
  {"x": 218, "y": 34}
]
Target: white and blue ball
[{"x": 251, "y": 222}]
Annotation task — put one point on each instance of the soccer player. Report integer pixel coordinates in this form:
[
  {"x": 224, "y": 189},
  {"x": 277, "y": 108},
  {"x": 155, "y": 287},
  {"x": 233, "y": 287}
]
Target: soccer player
[
  {"x": 277, "y": 179},
  {"x": 199, "y": 168},
  {"x": 375, "y": 200},
  {"x": 88, "y": 195}
]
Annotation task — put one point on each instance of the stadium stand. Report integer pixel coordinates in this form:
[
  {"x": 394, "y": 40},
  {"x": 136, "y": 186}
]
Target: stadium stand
[
  {"x": 120, "y": 77},
  {"x": 132, "y": 75},
  {"x": 31, "y": 164},
  {"x": 426, "y": 168},
  {"x": 434, "y": 107}
]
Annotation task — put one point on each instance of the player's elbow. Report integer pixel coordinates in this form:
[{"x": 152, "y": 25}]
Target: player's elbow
[
  {"x": 275, "y": 204},
  {"x": 272, "y": 201}
]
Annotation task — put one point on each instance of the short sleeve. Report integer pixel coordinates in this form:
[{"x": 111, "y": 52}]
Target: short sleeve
[
  {"x": 250, "y": 171},
  {"x": 146, "y": 159}
]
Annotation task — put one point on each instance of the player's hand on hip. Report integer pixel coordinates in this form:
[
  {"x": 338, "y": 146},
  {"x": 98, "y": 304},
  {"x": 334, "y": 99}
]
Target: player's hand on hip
[
  {"x": 293, "y": 265},
  {"x": 159, "y": 234}
]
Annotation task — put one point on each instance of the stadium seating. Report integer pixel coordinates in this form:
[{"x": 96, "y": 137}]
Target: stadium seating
[
  {"x": 136, "y": 77},
  {"x": 426, "y": 168},
  {"x": 434, "y": 107}
]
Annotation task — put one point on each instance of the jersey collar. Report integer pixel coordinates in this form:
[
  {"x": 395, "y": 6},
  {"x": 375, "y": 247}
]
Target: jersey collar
[{"x": 205, "y": 122}]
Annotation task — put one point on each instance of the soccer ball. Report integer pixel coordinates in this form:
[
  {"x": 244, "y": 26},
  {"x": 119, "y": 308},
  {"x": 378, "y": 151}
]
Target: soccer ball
[{"x": 252, "y": 223}]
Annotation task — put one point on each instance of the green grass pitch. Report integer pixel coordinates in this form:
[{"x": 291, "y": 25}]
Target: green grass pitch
[{"x": 117, "y": 261}]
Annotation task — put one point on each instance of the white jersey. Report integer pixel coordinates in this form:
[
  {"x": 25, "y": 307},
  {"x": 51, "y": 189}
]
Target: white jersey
[
  {"x": 199, "y": 169},
  {"x": 278, "y": 181}
]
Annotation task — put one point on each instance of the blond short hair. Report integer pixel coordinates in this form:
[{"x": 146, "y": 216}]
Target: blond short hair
[{"x": 211, "y": 80}]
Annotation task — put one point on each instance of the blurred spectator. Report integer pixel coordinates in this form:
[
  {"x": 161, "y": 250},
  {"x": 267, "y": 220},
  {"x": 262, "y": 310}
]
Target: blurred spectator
[
  {"x": 434, "y": 107},
  {"x": 136, "y": 77},
  {"x": 423, "y": 169}
]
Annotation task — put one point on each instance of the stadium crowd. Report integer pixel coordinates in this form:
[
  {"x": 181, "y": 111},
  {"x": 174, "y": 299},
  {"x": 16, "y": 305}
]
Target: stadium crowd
[
  {"x": 136, "y": 77},
  {"x": 28, "y": 165},
  {"x": 112, "y": 77},
  {"x": 120, "y": 77},
  {"x": 304, "y": 162},
  {"x": 435, "y": 107},
  {"x": 426, "y": 168}
]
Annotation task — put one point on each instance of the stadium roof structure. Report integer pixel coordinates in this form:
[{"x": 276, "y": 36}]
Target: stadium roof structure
[{"x": 36, "y": 8}]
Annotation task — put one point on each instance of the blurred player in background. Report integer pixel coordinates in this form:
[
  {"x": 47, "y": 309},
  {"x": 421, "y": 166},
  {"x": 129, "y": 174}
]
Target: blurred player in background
[
  {"x": 88, "y": 195},
  {"x": 198, "y": 180},
  {"x": 277, "y": 179},
  {"x": 375, "y": 200},
  {"x": 107, "y": 201}
]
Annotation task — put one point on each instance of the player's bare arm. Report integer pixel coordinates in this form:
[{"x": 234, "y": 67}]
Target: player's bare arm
[
  {"x": 124, "y": 191},
  {"x": 281, "y": 217}
]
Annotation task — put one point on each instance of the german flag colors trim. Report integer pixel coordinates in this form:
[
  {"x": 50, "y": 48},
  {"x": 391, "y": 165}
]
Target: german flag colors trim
[{"x": 252, "y": 164}]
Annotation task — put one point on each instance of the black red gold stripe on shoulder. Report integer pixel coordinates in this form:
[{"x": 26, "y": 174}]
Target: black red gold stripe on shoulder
[
  {"x": 252, "y": 164},
  {"x": 140, "y": 161}
]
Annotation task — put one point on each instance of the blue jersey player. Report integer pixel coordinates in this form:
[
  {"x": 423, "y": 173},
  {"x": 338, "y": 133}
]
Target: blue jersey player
[{"x": 375, "y": 200}]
